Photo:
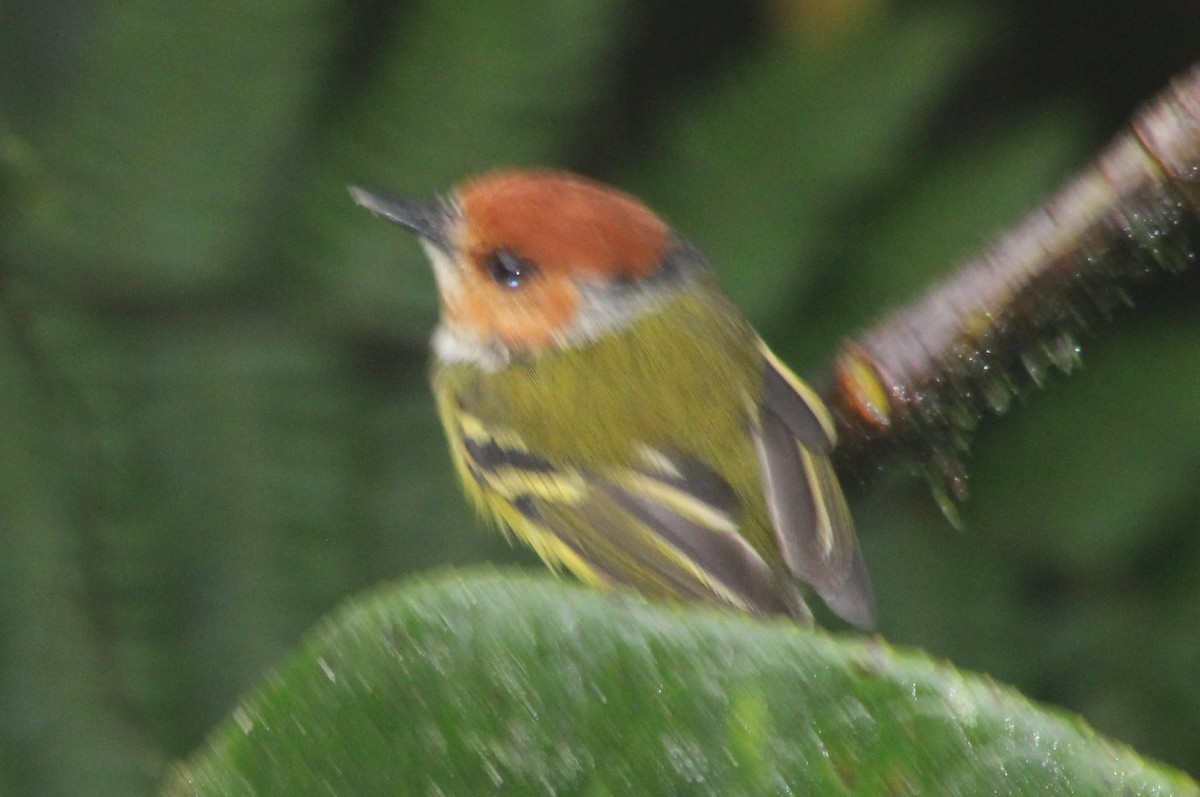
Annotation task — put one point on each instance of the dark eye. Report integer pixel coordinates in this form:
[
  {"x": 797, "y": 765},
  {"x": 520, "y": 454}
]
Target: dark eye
[{"x": 507, "y": 269}]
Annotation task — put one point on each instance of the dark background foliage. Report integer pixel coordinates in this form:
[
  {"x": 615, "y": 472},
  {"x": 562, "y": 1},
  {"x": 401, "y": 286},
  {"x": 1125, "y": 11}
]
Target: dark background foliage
[{"x": 213, "y": 418}]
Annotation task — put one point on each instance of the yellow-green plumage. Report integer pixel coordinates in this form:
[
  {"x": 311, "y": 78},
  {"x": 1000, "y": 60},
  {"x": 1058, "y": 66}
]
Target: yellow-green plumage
[
  {"x": 572, "y": 434},
  {"x": 607, "y": 404}
]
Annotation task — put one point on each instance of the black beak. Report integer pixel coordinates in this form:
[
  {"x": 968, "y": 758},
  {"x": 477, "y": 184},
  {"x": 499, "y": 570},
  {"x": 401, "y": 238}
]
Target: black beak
[{"x": 433, "y": 221}]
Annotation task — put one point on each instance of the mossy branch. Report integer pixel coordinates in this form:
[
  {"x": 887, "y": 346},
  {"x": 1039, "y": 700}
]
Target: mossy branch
[{"x": 916, "y": 384}]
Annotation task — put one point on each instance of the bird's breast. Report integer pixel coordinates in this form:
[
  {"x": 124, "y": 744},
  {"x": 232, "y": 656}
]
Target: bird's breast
[{"x": 683, "y": 378}]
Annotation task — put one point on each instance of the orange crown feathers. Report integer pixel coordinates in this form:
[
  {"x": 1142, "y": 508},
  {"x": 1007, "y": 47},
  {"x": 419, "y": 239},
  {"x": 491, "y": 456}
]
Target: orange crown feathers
[{"x": 561, "y": 221}]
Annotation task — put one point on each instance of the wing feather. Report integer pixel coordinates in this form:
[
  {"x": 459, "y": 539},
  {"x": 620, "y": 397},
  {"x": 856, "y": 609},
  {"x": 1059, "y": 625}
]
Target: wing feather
[
  {"x": 809, "y": 515},
  {"x": 711, "y": 543},
  {"x": 667, "y": 525},
  {"x": 796, "y": 405}
]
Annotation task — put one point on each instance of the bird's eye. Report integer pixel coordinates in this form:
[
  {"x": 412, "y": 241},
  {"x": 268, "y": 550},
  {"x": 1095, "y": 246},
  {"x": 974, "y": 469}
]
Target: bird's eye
[{"x": 508, "y": 270}]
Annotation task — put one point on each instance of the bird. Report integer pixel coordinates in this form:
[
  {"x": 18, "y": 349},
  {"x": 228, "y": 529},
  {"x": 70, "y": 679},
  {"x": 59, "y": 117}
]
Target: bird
[{"x": 606, "y": 403}]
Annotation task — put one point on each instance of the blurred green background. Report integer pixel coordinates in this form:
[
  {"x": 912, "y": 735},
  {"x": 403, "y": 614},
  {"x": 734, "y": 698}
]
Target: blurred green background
[{"x": 214, "y": 423}]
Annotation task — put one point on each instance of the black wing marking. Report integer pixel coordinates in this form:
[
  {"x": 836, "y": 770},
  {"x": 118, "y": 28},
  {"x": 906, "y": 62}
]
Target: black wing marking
[{"x": 666, "y": 524}]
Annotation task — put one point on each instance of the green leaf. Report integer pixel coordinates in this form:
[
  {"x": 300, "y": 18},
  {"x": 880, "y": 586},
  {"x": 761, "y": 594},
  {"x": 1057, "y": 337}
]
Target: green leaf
[{"x": 483, "y": 684}]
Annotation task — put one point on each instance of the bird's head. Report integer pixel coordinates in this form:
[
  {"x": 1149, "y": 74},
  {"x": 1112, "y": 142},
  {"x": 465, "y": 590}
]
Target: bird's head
[{"x": 528, "y": 261}]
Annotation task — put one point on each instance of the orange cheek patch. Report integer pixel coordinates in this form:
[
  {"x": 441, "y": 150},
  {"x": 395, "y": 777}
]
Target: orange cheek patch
[{"x": 530, "y": 318}]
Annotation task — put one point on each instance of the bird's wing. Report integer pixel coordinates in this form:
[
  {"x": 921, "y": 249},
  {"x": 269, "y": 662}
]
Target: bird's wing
[
  {"x": 664, "y": 524},
  {"x": 812, "y": 524}
]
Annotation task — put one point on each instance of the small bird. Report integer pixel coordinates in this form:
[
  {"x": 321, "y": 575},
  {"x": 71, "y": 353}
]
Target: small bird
[{"x": 608, "y": 405}]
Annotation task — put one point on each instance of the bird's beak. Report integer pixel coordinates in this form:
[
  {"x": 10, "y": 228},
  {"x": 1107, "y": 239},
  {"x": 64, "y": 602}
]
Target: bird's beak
[{"x": 433, "y": 221}]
